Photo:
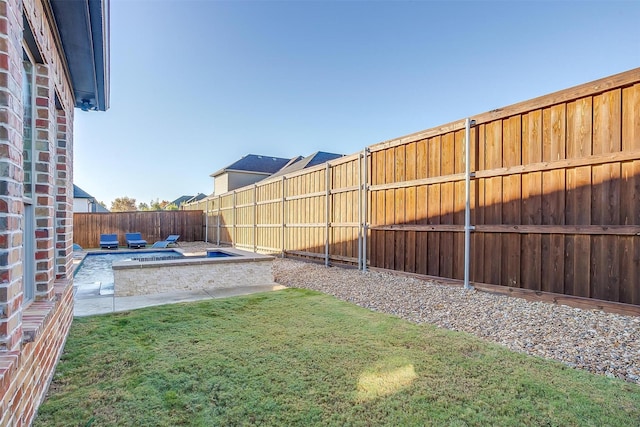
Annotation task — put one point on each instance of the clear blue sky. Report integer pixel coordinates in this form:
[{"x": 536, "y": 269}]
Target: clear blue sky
[{"x": 195, "y": 85}]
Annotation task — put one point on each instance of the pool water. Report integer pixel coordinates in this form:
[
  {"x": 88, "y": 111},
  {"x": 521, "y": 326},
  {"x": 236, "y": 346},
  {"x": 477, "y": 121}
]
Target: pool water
[
  {"x": 95, "y": 275},
  {"x": 218, "y": 254}
]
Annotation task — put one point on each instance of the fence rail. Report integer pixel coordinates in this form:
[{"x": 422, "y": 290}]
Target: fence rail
[
  {"x": 153, "y": 226},
  {"x": 555, "y": 199}
]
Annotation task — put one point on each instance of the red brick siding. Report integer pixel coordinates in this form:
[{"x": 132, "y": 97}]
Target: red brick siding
[
  {"x": 11, "y": 187},
  {"x": 32, "y": 336},
  {"x": 64, "y": 197}
]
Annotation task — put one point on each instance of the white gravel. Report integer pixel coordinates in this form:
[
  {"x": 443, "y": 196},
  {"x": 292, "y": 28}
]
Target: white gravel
[{"x": 603, "y": 343}]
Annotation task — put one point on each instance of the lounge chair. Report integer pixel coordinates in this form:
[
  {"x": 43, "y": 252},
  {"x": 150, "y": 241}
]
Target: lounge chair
[
  {"x": 108, "y": 241},
  {"x": 171, "y": 240},
  {"x": 135, "y": 240}
]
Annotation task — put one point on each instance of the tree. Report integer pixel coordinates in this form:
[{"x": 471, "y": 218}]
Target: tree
[
  {"x": 123, "y": 204},
  {"x": 142, "y": 206},
  {"x": 155, "y": 205},
  {"x": 171, "y": 207}
]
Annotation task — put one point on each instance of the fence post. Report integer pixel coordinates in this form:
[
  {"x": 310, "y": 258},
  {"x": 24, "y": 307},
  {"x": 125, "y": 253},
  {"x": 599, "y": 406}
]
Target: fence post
[
  {"x": 206, "y": 220},
  {"x": 467, "y": 206},
  {"x": 218, "y": 224},
  {"x": 327, "y": 214},
  {"x": 365, "y": 209},
  {"x": 255, "y": 218},
  {"x": 359, "y": 211},
  {"x": 233, "y": 216},
  {"x": 284, "y": 223}
]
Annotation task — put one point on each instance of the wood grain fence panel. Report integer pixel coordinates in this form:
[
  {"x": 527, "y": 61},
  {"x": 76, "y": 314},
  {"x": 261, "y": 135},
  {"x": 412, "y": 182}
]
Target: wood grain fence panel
[
  {"x": 531, "y": 276},
  {"x": 351, "y": 216},
  {"x": 152, "y": 225},
  {"x": 347, "y": 210},
  {"x": 337, "y": 244},
  {"x": 400, "y": 174},
  {"x": 377, "y": 209},
  {"x": 605, "y": 208},
  {"x": 459, "y": 206},
  {"x": 512, "y": 199},
  {"x": 422, "y": 212},
  {"x": 434, "y": 205},
  {"x": 493, "y": 203},
  {"x": 478, "y": 243},
  {"x": 447, "y": 167},
  {"x": 410, "y": 208},
  {"x": 630, "y": 197},
  {"x": 554, "y": 124},
  {"x": 578, "y": 202},
  {"x": 553, "y": 198},
  {"x": 389, "y": 236}
]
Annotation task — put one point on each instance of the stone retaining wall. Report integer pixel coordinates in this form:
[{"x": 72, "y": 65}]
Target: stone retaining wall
[{"x": 144, "y": 278}]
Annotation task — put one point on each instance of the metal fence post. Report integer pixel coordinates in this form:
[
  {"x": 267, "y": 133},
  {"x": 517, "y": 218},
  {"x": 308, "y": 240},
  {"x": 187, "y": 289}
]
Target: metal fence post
[
  {"x": 327, "y": 213},
  {"x": 467, "y": 206},
  {"x": 365, "y": 209},
  {"x": 284, "y": 222}
]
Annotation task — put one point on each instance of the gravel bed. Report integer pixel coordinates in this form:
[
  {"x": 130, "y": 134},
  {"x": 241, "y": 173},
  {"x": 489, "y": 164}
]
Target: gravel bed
[{"x": 603, "y": 343}]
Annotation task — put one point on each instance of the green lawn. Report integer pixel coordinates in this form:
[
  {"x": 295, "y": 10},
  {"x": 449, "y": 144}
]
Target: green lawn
[{"x": 298, "y": 357}]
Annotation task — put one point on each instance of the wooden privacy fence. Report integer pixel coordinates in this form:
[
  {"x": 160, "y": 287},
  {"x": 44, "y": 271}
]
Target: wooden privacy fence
[
  {"x": 153, "y": 225},
  {"x": 554, "y": 198}
]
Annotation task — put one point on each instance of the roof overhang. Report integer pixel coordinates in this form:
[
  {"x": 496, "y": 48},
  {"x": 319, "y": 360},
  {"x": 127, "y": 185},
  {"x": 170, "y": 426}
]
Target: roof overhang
[
  {"x": 83, "y": 26},
  {"x": 223, "y": 171}
]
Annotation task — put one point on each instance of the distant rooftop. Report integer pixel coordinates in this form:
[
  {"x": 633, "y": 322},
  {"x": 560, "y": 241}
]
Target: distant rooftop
[
  {"x": 299, "y": 163},
  {"x": 255, "y": 163},
  {"x": 79, "y": 193},
  {"x": 196, "y": 198},
  {"x": 181, "y": 199}
]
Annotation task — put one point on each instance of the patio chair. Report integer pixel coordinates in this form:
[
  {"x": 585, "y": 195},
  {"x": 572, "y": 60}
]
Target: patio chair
[
  {"x": 108, "y": 241},
  {"x": 135, "y": 240},
  {"x": 171, "y": 240}
]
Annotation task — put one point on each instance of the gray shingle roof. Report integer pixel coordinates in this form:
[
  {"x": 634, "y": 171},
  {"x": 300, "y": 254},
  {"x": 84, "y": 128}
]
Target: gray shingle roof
[
  {"x": 196, "y": 198},
  {"x": 98, "y": 208},
  {"x": 181, "y": 199},
  {"x": 79, "y": 193},
  {"x": 255, "y": 163},
  {"x": 317, "y": 158}
]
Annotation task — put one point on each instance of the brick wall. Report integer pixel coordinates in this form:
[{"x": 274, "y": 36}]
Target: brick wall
[
  {"x": 32, "y": 335},
  {"x": 44, "y": 152},
  {"x": 64, "y": 196},
  {"x": 11, "y": 188}
]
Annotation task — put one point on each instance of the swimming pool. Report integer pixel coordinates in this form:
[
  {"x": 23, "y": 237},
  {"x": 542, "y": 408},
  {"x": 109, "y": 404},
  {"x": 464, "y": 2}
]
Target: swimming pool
[{"x": 94, "y": 276}]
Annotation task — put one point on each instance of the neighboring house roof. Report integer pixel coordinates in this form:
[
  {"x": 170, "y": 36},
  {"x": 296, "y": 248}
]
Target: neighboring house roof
[
  {"x": 83, "y": 26},
  {"x": 79, "y": 193},
  {"x": 315, "y": 159},
  {"x": 196, "y": 198},
  {"x": 256, "y": 164},
  {"x": 180, "y": 200},
  {"x": 98, "y": 208}
]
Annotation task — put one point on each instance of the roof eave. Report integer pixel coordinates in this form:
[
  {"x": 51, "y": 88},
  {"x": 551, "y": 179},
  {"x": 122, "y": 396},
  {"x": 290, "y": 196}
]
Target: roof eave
[
  {"x": 223, "y": 171},
  {"x": 83, "y": 26}
]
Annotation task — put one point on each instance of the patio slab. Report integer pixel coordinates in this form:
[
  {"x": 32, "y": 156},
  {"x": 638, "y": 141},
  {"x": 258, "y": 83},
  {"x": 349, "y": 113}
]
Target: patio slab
[{"x": 110, "y": 304}]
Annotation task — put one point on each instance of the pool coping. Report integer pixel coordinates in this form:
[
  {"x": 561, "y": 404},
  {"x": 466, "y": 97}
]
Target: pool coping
[
  {"x": 197, "y": 258},
  {"x": 80, "y": 256}
]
